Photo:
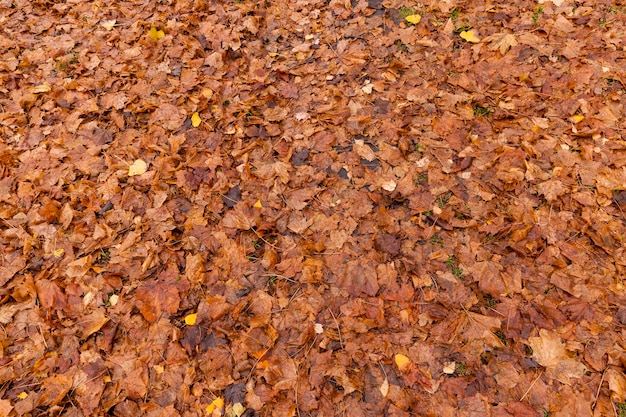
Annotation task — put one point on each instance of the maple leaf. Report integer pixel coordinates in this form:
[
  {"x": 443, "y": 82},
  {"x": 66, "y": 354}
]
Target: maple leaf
[
  {"x": 549, "y": 351},
  {"x": 501, "y": 41}
]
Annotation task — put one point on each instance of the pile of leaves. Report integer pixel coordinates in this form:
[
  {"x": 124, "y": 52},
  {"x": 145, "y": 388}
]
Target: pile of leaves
[{"x": 312, "y": 208}]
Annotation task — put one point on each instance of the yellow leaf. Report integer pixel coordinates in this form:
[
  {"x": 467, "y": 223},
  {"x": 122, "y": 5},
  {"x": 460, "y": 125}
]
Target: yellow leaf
[
  {"x": 237, "y": 410},
  {"x": 155, "y": 34},
  {"x": 138, "y": 167},
  {"x": 207, "y": 93},
  {"x": 159, "y": 369},
  {"x": 58, "y": 252},
  {"x": 258, "y": 204},
  {"x": 217, "y": 404},
  {"x": 108, "y": 24},
  {"x": 195, "y": 119},
  {"x": 577, "y": 118},
  {"x": 384, "y": 388},
  {"x": 414, "y": 18},
  {"x": 402, "y": 361},
  {"x": 22, "y": 395},
  {"x": 41, "y": 88},
  {"x": 469, "y": 36},
  {"x": 106, "y": 379},
  {"x": 190, "y": 319}
]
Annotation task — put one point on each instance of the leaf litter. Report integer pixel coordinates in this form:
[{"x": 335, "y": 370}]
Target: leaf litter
[{"x": 242, "y": 208}]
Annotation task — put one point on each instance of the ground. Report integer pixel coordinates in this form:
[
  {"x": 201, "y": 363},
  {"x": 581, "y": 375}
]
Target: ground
[{"x": 312, "y": 208}]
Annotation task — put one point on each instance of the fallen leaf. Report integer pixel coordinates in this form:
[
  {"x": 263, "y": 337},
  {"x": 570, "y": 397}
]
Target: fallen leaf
[
  {"x": 41, "y": 88},
  {"x": 384, "y": 388},
  {"x": 469, "y": 36},
  {"x": 108, "y": 24},
  {"x": 402, "y": 361},
  {"x": 549, "y": 351},
  {"x": 413, "y": 18},
  {"x": 195, "y": 119},
  {"x": 216, "y": 406},
  {"x": 190, "y": 319},
  {"x": 138, "y": 167},
  {"x": 155, "y": 34}
]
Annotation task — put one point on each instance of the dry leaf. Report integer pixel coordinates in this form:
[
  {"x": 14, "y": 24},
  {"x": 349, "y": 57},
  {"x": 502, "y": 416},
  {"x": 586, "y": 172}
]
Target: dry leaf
[
  {"x": 384, "y": 388},
  {"x": 139, "y": 167},
  {"x": 413, "y": 18},
  {"x": 402, "y": 361},
  {"x": 41, "y": 88},
  {"x": 469, "y": 36},
  {"x": 190, "y": 319},
  {"x": 549, "y": 351},
  {"x": 195, "y": 119},
  {"x": 108, "y": 24},
  {"x": 155, "y": 34}
]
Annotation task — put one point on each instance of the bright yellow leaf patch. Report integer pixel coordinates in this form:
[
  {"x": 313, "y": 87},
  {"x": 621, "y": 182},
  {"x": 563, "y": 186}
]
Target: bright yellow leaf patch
[
  {"x": 190, "y": 319},
  {"x": 155, "y": 34},
  {"x": 402, "y": 361},
  {"x": 577, "y": 118},
  {"x": 258, "y": 204},
  {"x": 195, "y": 119},
  {"x": 469, "y": 36},
  {"x": 414, "y": 18},
  {"x": 217, "y": 404},
  {"x": 138, "y": 167}
]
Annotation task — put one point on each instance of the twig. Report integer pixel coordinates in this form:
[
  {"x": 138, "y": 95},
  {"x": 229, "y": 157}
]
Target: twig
[
  {"x": 531, "y": 386},
  {"x": 338, "y": 328},
  {"x": 595, "y": 400}
]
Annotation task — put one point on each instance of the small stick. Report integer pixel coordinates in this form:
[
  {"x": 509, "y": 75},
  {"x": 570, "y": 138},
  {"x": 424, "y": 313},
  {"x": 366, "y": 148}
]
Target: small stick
[{"x": 531, "y": 386}]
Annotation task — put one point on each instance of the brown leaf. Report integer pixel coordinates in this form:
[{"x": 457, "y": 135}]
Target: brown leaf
[
  {"x": 156, "y": 298},
  {"x": 549, "y": 351}
]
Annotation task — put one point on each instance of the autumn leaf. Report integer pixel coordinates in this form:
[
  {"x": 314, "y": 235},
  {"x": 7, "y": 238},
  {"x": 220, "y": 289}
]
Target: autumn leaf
[
  {"x": 402, "y": 361},
  {"x": 413, "y": 18},
  {"x": 195, "y": 119},
  {"x": 190, "y": 319},
  {"x": 139, "y": 167},
  {"x": 155, "y": 34},
  {"x": 549, "y": 351},
  {"x": 108, "y": 24},
  {"x": 41, "y": 88},
  {"x": 216, "y": 406},
  {"x": 469, "y": 36}
]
